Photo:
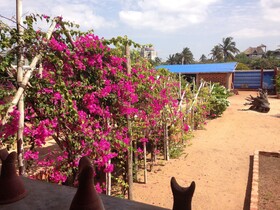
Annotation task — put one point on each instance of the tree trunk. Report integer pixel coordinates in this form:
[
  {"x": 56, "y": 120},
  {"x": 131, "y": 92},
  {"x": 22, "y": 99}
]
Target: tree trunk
[
  {"x": 129, "y": 151},
  {"x": 136, "y": 167},
  {"x": 166, "y": 143},
  {"x": 26, "y": 78},
  {"x": 108, "y": 181},
  {"x": 20, "y": 63},
  {"x": 259, "y": 103},
  {"x": 145, "y": 164}
]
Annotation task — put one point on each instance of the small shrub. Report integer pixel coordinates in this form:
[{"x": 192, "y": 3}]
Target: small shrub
[
  {"x": 218, "y": 102},
  {"x": 176, "y": 150}
]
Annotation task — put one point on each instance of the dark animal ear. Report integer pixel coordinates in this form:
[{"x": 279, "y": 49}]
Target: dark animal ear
[
  {"x": 182, "y": 196},
  {"x": 86, "y": 197},
  {"x": 86, "y": 175},
  {"x": 11, "y": 158},
  {"x": 192, "y": 187},
  {"x": 11, "y": 186},
  {"x": 3, "y": 154},
  {"x": 85, "y": 169},
  {"x": 175, "y": 186}
]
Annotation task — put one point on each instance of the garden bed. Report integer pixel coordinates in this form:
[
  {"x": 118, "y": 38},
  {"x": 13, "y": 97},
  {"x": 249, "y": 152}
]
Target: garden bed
[{"x": 266, "y": 181}]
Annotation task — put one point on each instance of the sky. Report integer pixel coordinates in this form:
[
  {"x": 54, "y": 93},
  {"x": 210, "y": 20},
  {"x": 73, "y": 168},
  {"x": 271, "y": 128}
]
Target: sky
[{"x": 169, "y": 25}]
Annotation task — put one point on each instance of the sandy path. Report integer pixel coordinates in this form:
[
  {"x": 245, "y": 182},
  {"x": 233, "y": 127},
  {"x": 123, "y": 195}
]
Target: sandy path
[{"x": 218, "y": 159}]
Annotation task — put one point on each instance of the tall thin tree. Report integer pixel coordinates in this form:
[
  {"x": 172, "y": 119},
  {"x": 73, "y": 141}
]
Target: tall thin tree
[
  {"x": 187, "y": 56},
  {"x": 171, "y": 59},
  {"x": 229, "y": 49},
  {"x": 216, "y": 54},
  {"x": 203, "y": 59},
  {"x": 27, "y": 76},
  {"x": 20, "y": 63},
  {"x": 129, "y": 151}
]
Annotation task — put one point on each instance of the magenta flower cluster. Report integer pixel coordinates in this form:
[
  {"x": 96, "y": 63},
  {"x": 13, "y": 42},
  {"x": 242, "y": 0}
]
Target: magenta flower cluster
[{"x": 82, "y": 101}]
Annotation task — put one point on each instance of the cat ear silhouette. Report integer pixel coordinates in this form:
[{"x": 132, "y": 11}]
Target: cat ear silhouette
[
  {"x": 182, "y": 196},
  {"x": 11, "y": 186},
  {"x": 3, "y": 154},
  {"x": 86, "y": 197}
]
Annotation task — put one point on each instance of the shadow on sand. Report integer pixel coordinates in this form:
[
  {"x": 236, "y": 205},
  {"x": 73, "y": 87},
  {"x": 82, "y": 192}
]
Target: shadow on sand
[
  {"x": 242, "y": 110},
  {"x": 249, "y": 185}
]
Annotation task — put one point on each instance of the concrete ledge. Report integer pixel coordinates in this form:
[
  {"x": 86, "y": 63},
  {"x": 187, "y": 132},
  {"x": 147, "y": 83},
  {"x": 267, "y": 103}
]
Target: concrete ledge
[
  {"x": 254, "y": 201},
  {"x": 46, "y": 196}
]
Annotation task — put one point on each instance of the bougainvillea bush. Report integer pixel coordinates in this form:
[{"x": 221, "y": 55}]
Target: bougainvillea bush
[{"x": 82, "y": 99}]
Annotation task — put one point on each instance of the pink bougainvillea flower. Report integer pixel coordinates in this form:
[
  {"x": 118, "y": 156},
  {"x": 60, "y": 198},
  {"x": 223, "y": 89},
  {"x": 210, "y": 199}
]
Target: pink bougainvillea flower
[
  {"x": 144, "y": 140},
  {"x": 29, "y": 155},
  {"x": 186, "y": 127}
]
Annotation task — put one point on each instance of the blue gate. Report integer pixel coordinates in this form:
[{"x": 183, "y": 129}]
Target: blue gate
[
  {"x": 268, "y": 79},
  {"x": 253, "y": 79}
]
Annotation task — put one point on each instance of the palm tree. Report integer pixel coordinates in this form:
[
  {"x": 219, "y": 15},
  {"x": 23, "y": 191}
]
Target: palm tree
[
  {"x": 171, "y": 59},
  {"x": 216, "y": 53},
  {"x": 178, "y": 58},
  {"x": 203, "y": 59},
  {"x": 184, "y": 57},
  {"x": 228, "y": 48},
  {"x": 156, "y": 62},
  {"x": 187, "y": 56}
]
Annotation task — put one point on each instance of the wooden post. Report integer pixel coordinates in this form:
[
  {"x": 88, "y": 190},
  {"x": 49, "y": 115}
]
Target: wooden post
[
  {"x": 180, "y": 92},
  {"x": 261, "y": 78},
  {"x": 41, "y": 70},
  {"x": 166, "y": 143},
  {"x": 20, "y": 63},
  {"x": 108, "y": 181},
  {"x": 136, "y": 168},
  {"x": 274, "y": 79},
  {"x": 182, "y": 97},
  {"x": 26, "y": 78},
  {"x": 196, "y": 95},
  {"x": 129, "y": 151},
  {"x": 145, "y": 163}
]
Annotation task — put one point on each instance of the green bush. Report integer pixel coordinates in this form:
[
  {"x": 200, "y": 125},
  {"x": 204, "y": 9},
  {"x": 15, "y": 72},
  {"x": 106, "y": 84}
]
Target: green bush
[
  {"x": 242, "y": 66},
  {"x": 277, "y": 83},
  {"x": 218, "y": 102}
]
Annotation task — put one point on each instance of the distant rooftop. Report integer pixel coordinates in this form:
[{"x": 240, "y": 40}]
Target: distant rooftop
[
  {"x": 254, "y": 50},
  {"x": 201, "y": 68}
]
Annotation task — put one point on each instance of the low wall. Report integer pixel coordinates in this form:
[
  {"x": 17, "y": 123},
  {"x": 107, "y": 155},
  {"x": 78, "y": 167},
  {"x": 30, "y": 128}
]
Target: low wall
[
  {"x": 45, "y": 196},
  {"x": 224, "y": 79},
  {"x": 254, "y": 201}
]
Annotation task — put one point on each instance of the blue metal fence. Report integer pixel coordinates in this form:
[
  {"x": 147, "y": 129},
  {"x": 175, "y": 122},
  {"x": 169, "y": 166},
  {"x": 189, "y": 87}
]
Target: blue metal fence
[
  {"x": 254, "y": 79},
  {"x": 268, "y": 80}
]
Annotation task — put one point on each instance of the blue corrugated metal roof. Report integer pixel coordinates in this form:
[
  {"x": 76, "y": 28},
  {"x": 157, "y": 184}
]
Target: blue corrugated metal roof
[{"x": 201, "y": 68}]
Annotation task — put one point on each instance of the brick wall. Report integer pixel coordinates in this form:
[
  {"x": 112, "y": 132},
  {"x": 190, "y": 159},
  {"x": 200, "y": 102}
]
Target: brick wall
[{"x": 224, "y": 79}]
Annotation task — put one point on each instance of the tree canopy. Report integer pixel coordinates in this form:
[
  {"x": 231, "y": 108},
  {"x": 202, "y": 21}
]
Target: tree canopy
[
  {"x": 224, "y": 51},
  {"x": 228, "y": 47},
  {"x": 184, "y": 57},
  {"x": 216, "y": 54}
]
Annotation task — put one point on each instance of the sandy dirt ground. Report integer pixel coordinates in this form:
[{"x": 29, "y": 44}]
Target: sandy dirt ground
[{"x": 218, "y": 159}]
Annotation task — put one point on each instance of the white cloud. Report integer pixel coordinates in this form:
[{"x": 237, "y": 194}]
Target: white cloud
[
  {"x": 4, "y": 3},
  {"x": 82, "y": 12},
  {"x": 271, "y": 9},
  {"x": 248, "y": 33},
  {"x": 164, "y": 15}
]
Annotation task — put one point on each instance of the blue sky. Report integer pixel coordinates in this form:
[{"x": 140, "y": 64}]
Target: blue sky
[{"x": 170, "y": 25}]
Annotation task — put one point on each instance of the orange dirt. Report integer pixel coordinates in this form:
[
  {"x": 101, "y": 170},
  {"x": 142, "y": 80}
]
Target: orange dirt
[{"x": 218, "y": 159}]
